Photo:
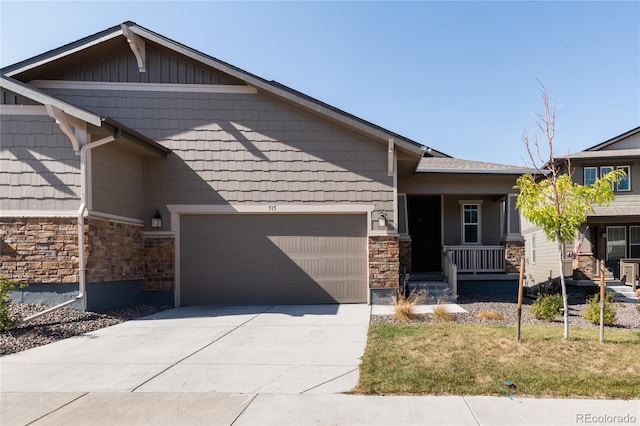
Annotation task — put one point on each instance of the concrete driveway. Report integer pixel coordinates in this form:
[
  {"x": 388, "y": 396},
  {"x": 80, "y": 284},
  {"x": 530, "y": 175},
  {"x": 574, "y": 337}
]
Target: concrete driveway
[{"x": 246, "y": 349}]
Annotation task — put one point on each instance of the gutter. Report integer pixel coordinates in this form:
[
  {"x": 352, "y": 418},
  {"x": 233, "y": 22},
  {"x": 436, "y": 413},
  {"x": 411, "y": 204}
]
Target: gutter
[{"x": 84, "y": 183}]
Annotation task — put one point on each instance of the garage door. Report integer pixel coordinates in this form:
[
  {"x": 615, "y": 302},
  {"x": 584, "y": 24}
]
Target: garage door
[{"x": 273, "y": 259}]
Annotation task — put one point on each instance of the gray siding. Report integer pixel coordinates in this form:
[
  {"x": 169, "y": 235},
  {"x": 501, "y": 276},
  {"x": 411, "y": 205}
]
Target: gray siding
[
  {"x": 117, "y": 182},
  {"x": 546, "y": 262},
  {"x": 40, "y": 170},
  {"x": 7, "y": 97},
  {"x": 162, "y": 67},
  {"x": 491, "y": 232},
  {"x": 238, "y": 148}
]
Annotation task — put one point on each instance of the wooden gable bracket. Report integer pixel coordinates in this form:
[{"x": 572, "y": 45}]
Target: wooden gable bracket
[
  {"x": 391, "y": 157},
  {"x": 76, "y": 130},
  {"x": 137, "y": 45}
]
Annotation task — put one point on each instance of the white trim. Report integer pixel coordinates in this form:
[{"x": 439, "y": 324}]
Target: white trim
[
  {"x": 23, "y": 110},
  {"x": 39, "y": 213},
  {"x": 628, "y": 178},
  {"x": 158, "y": 234},
  {"x": 65, "y": 53},
  {"x": 144, "y": 87},
  {"x": 137, "y": 46},
  {"x": 396, "y": 220},
  {"x": 462, "y": 222},
  {"x": 115, "y": 218},
  {"x": 271, "y": 208},
  {"x": 177, "y": 210}
]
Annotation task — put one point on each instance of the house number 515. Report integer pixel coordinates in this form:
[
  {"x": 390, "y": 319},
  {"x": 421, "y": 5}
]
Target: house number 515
[{"x": 272, "y": 208}]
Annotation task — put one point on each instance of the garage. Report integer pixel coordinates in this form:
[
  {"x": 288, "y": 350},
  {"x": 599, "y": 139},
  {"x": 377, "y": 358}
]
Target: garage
[{"x": 239, "y": 259}]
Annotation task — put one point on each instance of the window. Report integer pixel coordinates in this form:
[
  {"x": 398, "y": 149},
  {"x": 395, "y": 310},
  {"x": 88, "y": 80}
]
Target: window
[
  {"x": 533, "y": 249},
  {"x": 471, "y": 223},
  {"x": 590, "y": 175},
  {"x": 604, "y": 170},
  {"x": 634, "y": 241},
  {"x": 625, "y": 183},
  {"x": 616, "y": 242}
]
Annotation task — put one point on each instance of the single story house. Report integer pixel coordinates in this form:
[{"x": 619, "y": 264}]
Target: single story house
[{"x": 136, "y": 169}]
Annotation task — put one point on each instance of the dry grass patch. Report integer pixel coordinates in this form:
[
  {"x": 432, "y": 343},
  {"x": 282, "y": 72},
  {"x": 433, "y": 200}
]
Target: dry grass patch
[
  {"x": 441, "y": 313},
  {"x": 404, "y": 306},
  {"x": 490, "y": 315},
  {"x": 456, "y": 359}
]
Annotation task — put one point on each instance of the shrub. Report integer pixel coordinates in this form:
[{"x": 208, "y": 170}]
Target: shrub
[
  {"x": 404, "y": 305},
  {"x": 490, "y": 315},
  {"x": 6, "y": 288},
  {"x": 547, "y": 307},
  {"x": 592, "y": 312}
]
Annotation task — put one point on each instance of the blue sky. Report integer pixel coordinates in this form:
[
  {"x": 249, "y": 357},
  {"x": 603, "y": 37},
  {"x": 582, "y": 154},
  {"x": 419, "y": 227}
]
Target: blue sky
[{"x": 457, "y": 76}]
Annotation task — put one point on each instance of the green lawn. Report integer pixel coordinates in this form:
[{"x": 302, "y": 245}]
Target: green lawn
[{"x": 457, "y": 359}]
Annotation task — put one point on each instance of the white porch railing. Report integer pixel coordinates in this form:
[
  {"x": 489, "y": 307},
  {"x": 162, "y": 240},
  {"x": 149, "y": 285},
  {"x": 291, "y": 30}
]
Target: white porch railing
[
  {"x": 450, "y": 272},
  {"x": 477, "y": 258}
]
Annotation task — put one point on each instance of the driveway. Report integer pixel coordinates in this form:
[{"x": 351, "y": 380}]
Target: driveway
[{"x": 246, "y": 349}]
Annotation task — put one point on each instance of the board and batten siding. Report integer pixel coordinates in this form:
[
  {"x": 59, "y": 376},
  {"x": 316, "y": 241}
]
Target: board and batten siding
[
  {"x": 233, "y": 148},
  {"x": 40, "y": 171}
]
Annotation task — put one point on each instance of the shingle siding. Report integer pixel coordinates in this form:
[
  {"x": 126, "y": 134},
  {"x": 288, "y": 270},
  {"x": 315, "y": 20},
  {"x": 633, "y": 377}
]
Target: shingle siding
[
  {"x": 40, "y": 170},
  {"x": 117, "y": 182},
  {"x": 239, "y": 148}
]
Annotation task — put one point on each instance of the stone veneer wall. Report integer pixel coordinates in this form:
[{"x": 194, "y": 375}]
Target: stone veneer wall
[
  {"x": 514, "y": 251},
  {"x": 584, "y": 267},
  {"x": 39, "y": 250},
  {"x": 384, "y": 261},
  {"x": 159, "y": 269},
  {"x": 405, "y": 255},
  {"x": 115, "y": 251}
]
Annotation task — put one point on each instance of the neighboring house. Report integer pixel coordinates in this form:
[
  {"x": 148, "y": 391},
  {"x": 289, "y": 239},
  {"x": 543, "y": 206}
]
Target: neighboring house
[
  {"x": 612, "y": 233},
  {"x": 190, "y": 181}
]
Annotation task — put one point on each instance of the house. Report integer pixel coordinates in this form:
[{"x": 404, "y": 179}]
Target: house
[
  {"x": 612, "y": 233},
  {"x": 189, "y": 181}
]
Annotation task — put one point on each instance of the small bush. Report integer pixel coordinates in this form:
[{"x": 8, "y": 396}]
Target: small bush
[
  {"x": 6, "y": 288},
  {"x": 490, "y": 315},
  {"x": 592, "y": 312},
  {"x": 404, "y": 305},
  {"x": 547, "y": 307}
]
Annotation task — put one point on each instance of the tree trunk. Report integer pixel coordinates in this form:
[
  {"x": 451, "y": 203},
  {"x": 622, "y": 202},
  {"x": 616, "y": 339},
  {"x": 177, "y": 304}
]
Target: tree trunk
[{"x": 565, "y": 301}]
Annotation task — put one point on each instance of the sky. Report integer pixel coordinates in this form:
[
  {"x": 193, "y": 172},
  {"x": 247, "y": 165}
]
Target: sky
[{"x": 460, "y": 77}]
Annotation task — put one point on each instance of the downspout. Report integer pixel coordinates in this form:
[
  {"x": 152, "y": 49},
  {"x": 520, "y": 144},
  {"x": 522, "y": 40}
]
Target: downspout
[{"x": 84, "y": 182}]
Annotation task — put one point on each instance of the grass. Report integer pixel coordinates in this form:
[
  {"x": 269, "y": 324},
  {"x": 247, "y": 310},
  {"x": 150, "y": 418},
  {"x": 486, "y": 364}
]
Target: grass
[
  {"x": 441, "y": 313},
  {"x": 457, "y": 359}
]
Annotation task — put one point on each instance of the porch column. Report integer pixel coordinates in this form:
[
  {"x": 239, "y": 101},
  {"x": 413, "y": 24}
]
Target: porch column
[
  {"x": 384, "y": 267},
  {"x": 514, "y": 248}
]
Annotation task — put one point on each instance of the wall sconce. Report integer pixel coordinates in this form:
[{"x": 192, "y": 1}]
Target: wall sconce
[
  {"x": 156, "y": 220},
  {"x": 604, "y": 234},
  {"x": 382, "y": 219}
]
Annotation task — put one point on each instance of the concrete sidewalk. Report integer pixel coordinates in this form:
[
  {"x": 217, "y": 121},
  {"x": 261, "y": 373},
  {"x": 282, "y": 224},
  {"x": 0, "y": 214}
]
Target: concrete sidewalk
[{"x": 145, "y": 408}]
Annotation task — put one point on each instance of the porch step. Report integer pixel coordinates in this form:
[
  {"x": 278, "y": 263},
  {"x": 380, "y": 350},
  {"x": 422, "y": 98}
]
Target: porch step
[
  {"x": 435, "y": 291},
  {"x": 622, "y": 293}
]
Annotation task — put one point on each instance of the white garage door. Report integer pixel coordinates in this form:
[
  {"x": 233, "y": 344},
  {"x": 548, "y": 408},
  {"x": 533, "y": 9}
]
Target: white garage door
[{"x": 273, "y": 259}]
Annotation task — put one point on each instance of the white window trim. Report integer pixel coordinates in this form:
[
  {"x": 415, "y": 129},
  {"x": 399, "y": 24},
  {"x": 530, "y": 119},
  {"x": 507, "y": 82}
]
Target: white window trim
[
  {"x": 631, "y": 244},
  {"x": 584, "y": 173},
  {"x": 628, "y": 177},
  {"x": 462, "y": 223},
  {"x": 534, "y": 250},
  {"x": 602, "y": 173}
]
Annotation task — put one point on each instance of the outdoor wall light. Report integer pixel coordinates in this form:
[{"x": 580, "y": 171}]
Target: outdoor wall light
[
  {"x": 156, "y": 220},
  {"x": 382, "y": 219}
]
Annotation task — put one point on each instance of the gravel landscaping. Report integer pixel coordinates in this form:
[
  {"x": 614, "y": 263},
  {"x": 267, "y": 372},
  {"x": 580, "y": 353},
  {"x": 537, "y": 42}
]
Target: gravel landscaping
[
  {"x": 627, "y": 314},
  {"x": 61, "y": 324}
]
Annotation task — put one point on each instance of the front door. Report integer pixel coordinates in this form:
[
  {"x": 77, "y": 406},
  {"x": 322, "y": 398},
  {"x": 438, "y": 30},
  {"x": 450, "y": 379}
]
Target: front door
[
  {"x": 616, "y": 248},
  {"x": 425, "y": 231}
]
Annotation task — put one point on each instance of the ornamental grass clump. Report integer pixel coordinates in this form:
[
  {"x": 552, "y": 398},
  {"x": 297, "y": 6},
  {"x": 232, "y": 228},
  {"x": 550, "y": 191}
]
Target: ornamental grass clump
[
  {"x": 547, "y": 307},
  {"x": 490, "y": 315},
  {"x": 441, "y": 313},
  {"x": 592, "y": 312},
  {"x": 404, "y": 306}
]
